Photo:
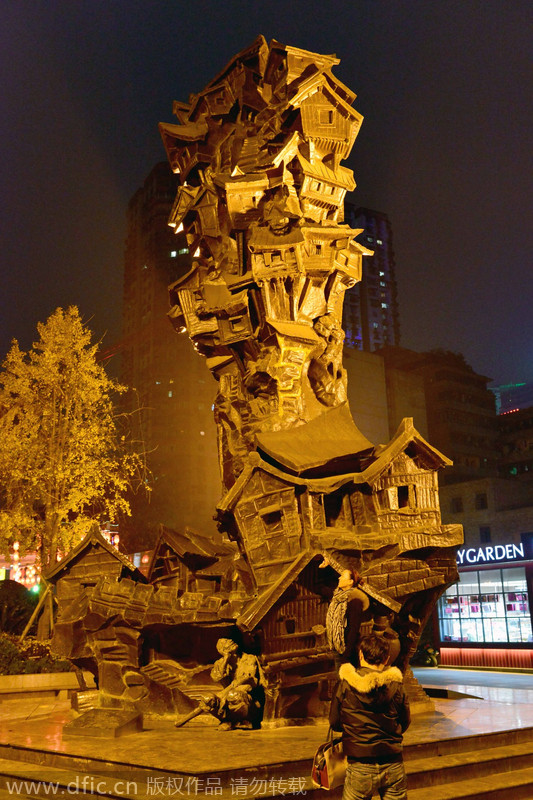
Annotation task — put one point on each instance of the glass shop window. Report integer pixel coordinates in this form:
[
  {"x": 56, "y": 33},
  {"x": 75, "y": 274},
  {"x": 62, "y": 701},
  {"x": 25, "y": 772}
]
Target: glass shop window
[
  {"x": 486, "y": 606},
  {"x": 449, "y": 620},
  {"x": 517, "y": 604}
]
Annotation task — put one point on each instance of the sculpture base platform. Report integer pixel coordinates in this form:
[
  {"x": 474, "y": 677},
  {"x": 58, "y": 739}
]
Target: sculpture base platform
[
  {"x": 473, "y": 740},
  {"x": 104, "y": 723}
]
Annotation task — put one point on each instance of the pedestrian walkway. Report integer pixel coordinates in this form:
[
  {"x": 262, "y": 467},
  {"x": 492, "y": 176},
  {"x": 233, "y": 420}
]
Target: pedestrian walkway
[
  {"x": 200, "y": 745},
  {"x": 498, "y": 687},
  {"x": 470, "y": 747}
]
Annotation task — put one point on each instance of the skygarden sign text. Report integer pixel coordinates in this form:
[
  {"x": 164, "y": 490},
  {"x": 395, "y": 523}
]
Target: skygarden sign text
[{"x": 499, "y": 552}]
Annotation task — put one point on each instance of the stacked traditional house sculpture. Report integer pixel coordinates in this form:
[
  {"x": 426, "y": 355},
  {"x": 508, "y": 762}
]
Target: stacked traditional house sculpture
[{"x": 258, "y": 153}]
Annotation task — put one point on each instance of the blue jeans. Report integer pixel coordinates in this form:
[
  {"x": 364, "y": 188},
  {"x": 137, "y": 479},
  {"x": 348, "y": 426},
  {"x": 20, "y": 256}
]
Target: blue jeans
[{"x": 363, "y": 781}]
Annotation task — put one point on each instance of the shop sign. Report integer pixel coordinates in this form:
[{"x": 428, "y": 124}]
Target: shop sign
[{"x": 497, "y": 552}]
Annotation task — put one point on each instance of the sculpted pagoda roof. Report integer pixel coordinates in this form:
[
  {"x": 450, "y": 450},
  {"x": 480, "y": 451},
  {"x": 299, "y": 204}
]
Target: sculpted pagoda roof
[
  {"x": 320, "y": 453},
  {"x": 319, "y": 82},
  {"x": 257, "y": 51},
  {"x": 196, "y": 551},
  {"x": 299, "y": 331},
  {"x": 189, "y": 132},
  {"x": 262, "y": 238},
  {"x": 255, "y": 610},
  {"x": 342, "y": 231},
  {"x": 325, "y": 442},
  {"x": 342, "y": 176},
  {"x": 93, "y": 539},
  {"x": 300, "y": 59}
]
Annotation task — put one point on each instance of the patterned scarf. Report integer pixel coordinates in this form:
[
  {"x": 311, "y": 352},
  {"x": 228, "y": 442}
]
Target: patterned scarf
[{"x": 336, "y": 619}]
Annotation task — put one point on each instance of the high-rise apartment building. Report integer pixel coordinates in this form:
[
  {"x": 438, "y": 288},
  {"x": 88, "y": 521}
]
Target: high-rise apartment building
[
  {"x": 461, "y": 414},
  {"x": 172, "y": 384},
  {"x": 370, "y": 316}
]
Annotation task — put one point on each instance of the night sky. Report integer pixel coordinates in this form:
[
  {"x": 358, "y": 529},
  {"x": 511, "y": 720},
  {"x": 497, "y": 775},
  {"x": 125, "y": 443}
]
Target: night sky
[{"x": 445, "y": 149}]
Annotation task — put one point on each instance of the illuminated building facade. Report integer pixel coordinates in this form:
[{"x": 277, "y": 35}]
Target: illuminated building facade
[
  {"x": 174, "y": 389},
  {"x": 25, "y": 569},
  {"x": 513, "y": 397},
  {"x": 516, "y": 443},
  {"x": 485, "y": 619},
  {"x": 22, "y": 569},
  {"x": 370, "y": 313}
]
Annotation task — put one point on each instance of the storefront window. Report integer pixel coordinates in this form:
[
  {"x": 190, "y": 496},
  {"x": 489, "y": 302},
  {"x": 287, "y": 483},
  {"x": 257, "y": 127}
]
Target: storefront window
[{"x": 486, "y": 606}]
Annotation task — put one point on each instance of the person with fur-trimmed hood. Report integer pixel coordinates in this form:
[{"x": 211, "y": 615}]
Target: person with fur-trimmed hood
[{"x": 371, "y": 709}]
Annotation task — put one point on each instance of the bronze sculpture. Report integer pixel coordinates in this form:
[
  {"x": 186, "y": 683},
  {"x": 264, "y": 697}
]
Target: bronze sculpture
[
  {"x": 240, "y": 703},
  {"x": 259, "y": 154}
]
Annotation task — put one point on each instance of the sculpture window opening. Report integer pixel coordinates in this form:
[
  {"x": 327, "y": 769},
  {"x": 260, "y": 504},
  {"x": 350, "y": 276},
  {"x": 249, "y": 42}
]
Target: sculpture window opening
[
  {"x": 290, "y": 624},
  {"x": 273, "y": 520},
  {"x": 237, "y": 324},
  {"x": 333, "y": 509},
  {"x": 403, "y": 496}
]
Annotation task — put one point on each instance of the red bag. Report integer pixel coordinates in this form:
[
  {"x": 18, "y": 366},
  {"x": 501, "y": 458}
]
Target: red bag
[{"x": 329, "y": 764}]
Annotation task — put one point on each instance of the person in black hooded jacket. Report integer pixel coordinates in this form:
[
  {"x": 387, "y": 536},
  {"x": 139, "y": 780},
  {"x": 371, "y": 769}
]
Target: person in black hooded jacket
[{"x": 372, "y": 711}]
